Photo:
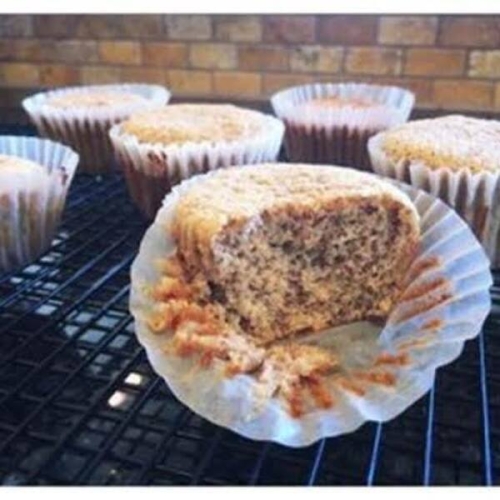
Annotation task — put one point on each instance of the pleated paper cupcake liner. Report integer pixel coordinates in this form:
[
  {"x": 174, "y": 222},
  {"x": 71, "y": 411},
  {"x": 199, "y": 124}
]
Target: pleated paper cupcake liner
[
  {"x": 30, "y": 210},
  {"x": 151, "y": 170},
  {"x": 338, "y": 136},
  {"x": 87, "y": 130},
  {"x": 475, "y": 196},
  {"x": 447, "y": 300}
]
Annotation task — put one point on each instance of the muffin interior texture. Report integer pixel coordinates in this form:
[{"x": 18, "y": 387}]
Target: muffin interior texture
[
  {"x": 265, "y": 252},
  {"x": 286, "y": 249},
  {"x": 454, "y": 142},
  {"x": 181, "y": 123},
  {"x": 94, "y": 99}
]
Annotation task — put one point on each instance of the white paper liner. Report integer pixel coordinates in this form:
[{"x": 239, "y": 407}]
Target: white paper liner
[
  {"x": 338, "y": 135},
  {"x": 31, "y": 207},
  {"x": 151, "y": 170},
  {"x": 475, "y": 196},
  {"x": 457, "y": 258},
  {"x": 86, "y": 129}
]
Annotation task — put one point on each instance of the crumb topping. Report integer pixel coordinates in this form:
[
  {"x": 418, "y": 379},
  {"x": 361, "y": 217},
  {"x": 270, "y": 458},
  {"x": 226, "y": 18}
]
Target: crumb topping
[
  {"x": 181, "y": 123},
  {"x": 335, "y": 103},
  {"x": 94, "y": 99},
  {"x": 14, "y": 164},
  {"x": 454, "y": 142}
]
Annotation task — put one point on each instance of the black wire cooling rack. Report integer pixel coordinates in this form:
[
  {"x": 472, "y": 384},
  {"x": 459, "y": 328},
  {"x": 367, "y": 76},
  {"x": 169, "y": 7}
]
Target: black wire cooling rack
[{"x": 79, "y": 403}]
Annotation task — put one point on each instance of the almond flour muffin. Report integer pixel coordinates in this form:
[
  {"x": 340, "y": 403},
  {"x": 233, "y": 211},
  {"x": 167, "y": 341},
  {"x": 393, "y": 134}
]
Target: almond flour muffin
[
  {"x": 34, "y": 179},
  {"x": 82, "y": 116},
  {"x": 158, "y": 149},
  {"x": 266, "y": 252},
  {"x": 331, "y": 123},
  {"x": 455, "y": 158}
]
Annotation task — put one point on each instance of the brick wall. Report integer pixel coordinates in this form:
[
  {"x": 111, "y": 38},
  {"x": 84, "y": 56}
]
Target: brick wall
[{"x": 450, "y": 62}]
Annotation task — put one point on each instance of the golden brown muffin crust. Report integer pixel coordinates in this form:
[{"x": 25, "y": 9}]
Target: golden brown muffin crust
[
  {"x": 94, "y": 99},
  {"x": 454, "y": 142},
  {"x": 14, "y": 164},
  {"x": 335, "y": 103},
  {"x": 181, "y": 123},
  {"x": 239, "y": 193}
]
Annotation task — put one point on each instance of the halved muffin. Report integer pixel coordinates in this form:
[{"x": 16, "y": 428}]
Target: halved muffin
[{"x": 267, "y": 252}]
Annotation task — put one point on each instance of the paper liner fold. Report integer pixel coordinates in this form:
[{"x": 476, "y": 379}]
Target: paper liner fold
[
  {"x": 425, "y": 332},
  {"x": 338, "y": 136},
  {"x": 30, "y": 211},
  {"x": 151, "y": 170},
  {"x": 475, "y": 196},
  {"x": 86, "y": 129}
]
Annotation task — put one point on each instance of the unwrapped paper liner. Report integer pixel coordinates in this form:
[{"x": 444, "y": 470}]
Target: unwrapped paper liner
[
  {"x": 86, "y": 129},
  {"x": 338, "y": 135},
  {"x": 475, "y": 196},
  {"x": 151, "y": 170},
  {"x": 434, "y": 331},
  {"x": 30, "y": 209}
]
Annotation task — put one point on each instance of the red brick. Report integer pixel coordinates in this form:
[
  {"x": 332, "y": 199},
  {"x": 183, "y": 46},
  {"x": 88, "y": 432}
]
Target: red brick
[
  {"x": 470, "y": 31},
  {"x": 347, "y": 30},
  {"x": 289, "y": 29},
  {"x": 17, "y": 25},
  {"x": 238, "y": 28},
  {"x": 254, "y": 57},
  {"x": 408, "y": 30},
  {"x": 99, "y": 26},
  {"x": 373, "y": 61},
  {"x": 19, "y": 75},
  {"x": 463, "y": 94},
  {"x": 237, "y": 84},
  {"x": 434, "y": 62},
  {"x": 213, "y": 55},
  {"x": 124, "y": 52},
  {"x": 190, "y": 82},
  {"x": 316, "y": 59},
  {"x": 164, "y": 54},
  {"x": 188, "y": 27},
  {"x": 52, "y": 75}
]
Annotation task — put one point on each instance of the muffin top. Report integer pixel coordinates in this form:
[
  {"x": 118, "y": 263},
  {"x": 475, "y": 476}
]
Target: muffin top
[
  {"x": 335, "y": 103},
  {"x": 94, "y": 99},
  {"x": 234, "y": 194},
  {"x": 182, "y": 123},
  {"x": 14, "y": 164},
  {"x": 455, "y": 142}
]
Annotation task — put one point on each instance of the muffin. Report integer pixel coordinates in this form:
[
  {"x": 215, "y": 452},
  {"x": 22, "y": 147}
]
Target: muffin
[
  {"x": 35, "y": 176},
  {"x": 158, "y": 149},
  {"x": 455, "y": 158},
  {"x": 82, "y": 116},
  {"x": 266, "y": 252},
  {"x": 331, "y": 123}
]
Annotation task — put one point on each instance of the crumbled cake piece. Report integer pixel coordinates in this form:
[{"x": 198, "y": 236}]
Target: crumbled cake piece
[
  {"x": 454, "y": 142},
  {"x": 290, "y": 248},
  {"x": 181, "y": 123},
  {"x": 94, "y": 99}
]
